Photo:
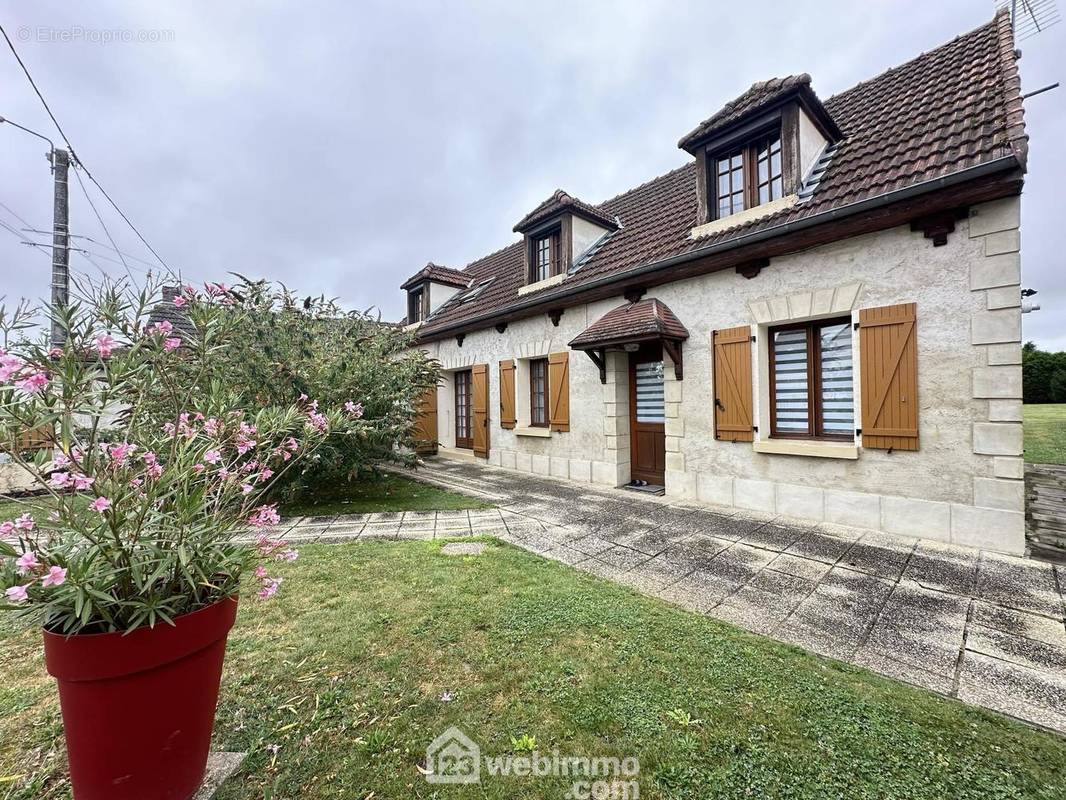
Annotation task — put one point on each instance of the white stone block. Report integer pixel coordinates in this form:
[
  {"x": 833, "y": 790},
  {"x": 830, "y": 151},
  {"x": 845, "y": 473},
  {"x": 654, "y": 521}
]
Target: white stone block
[
  {"x": 507, "y": 459},
  {"x": 617, "y": 392},
  {"x": 675, "y": 462},
  {"x": 615, "y": 426},
  {"x": 997, "y": 382},
  {"x": 672, "y": 410},
  {"x": 1002, "y": 354},
  {"x": 675, "y": 426},
  {"x": 854, "y": 509},
  {"x": 1001, "y": 270},
  {"x": 523, "y": 462},
  {"x": 988, "y": 529},
  {"x": 822, "y": 302},
  {"x": 926, "y": 519},
  {"x": 845, "y": 296},
  {"x": 779, "y": 308},
  {"x": 541, "y": 465},
  {"x": 560, "y": 467},
  {"x": 494, "y": 457},
  {"x": 1003, "y": 297},
  {"x": 799, "y": 305},
  {"x": 807, "y": 502},
  {"x": 999, "y": 215},
  {"x": 580, "y": 470},
  {"x": 606, "y": 474},
  {"x": 760, "y": 311},
  {"x": 672, "y": 389},
  {"x": 754, "y": 494},
  {"x": 1003, "y": 242},
  {"x": 995, "y": 493},
  {"x": 681, "y": 485},
  {"x": 994, "y": 327},
  {"x": 1005, "y": 410},
  {"x": 717, "y": 489},
  {"x": 997, "y": 438},
  {"x": 1008, "y": 468},
  {"x": 673, "y": 444},
  {"x": 617, "y": 442}
]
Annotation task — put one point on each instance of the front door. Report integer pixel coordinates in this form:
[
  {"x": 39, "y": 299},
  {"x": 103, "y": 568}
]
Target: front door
[
  {"x": 647, "y": 416},
  {"x": 463, "y": 428}
]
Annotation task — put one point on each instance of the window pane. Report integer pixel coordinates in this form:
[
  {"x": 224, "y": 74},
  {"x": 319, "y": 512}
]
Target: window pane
[
  {"x": 791, "y": 409},
  {"x": 838, "y": 398},
  {"x": 738, "y": 202},
  {"x": 777, "y": 188},
  {"x": 538, "y": 393},
  {"x": 737, "y": 161},
  {"x": 650, "y": 393},
  {"x": 763, "y": 174},
  {"x": 775, "y": 163}
]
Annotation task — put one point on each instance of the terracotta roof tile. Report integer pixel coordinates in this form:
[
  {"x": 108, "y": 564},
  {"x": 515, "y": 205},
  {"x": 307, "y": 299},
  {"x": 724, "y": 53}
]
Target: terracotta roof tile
[
  {"x": 644, "y": 319},
  {"x": 561, "y": 201},
  {"x": 955, "y": 107},
  {"x": 760, "y": 95},
  {"x": 439, "y": 274}
]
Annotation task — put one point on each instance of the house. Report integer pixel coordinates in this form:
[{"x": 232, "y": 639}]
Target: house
[{"x": 817, "y": 315}]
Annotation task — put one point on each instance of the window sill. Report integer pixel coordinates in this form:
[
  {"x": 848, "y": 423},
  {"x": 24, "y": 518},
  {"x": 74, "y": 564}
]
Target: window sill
[
  {"x": 543, "y": 433},
  {"x": 788, "y": 447},
  {"x": 554, "y": 280},
  {"x": 747, "y": 215}
]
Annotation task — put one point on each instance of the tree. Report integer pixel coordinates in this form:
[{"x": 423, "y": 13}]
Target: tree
[{"x": 1038, "y": 374}]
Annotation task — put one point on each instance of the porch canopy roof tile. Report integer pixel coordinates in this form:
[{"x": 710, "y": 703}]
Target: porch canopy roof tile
[
  {"x": 648, "y": 320},
  {"x": 644, "y": 320}
]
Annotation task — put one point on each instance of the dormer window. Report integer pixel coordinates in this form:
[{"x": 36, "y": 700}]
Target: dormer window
[
  {"x": 545, "y": 260},
  {"x": 747, "y": 176},
  {"x": 416, "y": 302}
]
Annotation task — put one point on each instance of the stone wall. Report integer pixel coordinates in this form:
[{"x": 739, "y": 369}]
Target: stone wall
[{"x": 964, "y": 484}]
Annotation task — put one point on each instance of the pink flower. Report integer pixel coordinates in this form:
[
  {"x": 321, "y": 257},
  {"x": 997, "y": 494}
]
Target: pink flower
[
  {"x": 266, "y": 474},
  {"x": 56, "y": 576},
  {"x": 172, "y": 344},
  {"x": 244, "y": 444},
  {"x": 60, "y": 460},
  {"x": 223, "y": 474},
  {"x": 163, "y": 327},
  {"x": 17, "y": 594},
  {"x": 136, "y": 483},
  {"x": 154, "y": 470},
  {"x": 198, "y": 468},
  {"x": 289, "y": 555},
  {"x": 27, "y": 563},
  {"x": 100, "y": 505},
  {"x": 149, "y": 457},
  {"x": 189, "y": 291},
  {"x": 9, "y": 365},
  {"x": 104, "y": 345},
  {"x": 56, "y": 352},
  {"x": 180, "y": 302},
  {"x": 83, "y": 482},
  {"x": 33, "y": 383},
  {"x": 212, "y": 426},
  {"x": 59, "y": 480},
  {"x": 120, "y": 452},
  {"x": 270, "y": 588},
  {"x": 25, "y": 522},
  {"x": 260, "y": 572},
  {"x": 247, "y": 488},
  {"x": 354, "y": 409},
  {"x": 263, "y": 516},
  {"x": 212, "y": 456},
  {"x": 7, "y": 528}
]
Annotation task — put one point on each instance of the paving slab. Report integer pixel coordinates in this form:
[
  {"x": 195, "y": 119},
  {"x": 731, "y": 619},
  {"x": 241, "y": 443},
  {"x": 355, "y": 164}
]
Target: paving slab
[{"x": 986, "y": 628}]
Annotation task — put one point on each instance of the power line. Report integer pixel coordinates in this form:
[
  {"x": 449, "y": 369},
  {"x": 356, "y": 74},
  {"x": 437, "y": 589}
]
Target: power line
[
  {"x": 74, "y": 155},
  {"x": 99, "y": 219},
  {"x": 16, "y": 216}
]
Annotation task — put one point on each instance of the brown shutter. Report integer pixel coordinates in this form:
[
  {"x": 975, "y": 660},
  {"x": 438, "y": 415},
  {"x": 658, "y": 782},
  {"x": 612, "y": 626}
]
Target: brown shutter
[
  {"x": 732, "y": 385},
  {"x": 425, "y": 427},
  {"x": 479, "y": 405},
  {"x": 559, "y": 391},
  {"x": 888, "y": 363},
  {"x": 507, "y": 406}
]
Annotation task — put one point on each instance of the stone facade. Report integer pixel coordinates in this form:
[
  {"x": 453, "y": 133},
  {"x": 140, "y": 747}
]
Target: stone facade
[{"x": 964, "y": 485}]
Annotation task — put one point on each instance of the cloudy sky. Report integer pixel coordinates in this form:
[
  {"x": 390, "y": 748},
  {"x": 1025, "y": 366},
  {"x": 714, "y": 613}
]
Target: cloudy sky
[{"x": 340, "y": 146}]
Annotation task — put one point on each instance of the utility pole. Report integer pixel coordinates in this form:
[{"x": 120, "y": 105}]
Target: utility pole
[{"x": 60, "y": 241}]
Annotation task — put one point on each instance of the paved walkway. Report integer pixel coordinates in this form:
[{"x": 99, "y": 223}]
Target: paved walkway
[{"x": 983, "y": 627}]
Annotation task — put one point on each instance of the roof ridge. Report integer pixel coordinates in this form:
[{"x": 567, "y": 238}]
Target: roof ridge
[
  {"x": 923, "y": 54},
  {"x": 1013, "y": 106}
]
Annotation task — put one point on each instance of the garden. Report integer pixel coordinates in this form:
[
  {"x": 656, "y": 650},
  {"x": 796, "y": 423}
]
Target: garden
[{"x": 168, "y": 631}]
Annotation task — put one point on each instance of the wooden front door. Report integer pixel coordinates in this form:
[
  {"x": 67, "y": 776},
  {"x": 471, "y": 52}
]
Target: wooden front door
[
  {"x": 463, "y": 428},
  {"x": 647, "y": 416}
]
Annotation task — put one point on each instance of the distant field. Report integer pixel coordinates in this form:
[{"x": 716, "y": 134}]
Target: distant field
[{"x": 1045, "y": 433}]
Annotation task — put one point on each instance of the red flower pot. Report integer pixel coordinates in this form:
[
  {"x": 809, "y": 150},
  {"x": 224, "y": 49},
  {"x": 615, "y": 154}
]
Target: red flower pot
[{"x": 138, "y": 709}]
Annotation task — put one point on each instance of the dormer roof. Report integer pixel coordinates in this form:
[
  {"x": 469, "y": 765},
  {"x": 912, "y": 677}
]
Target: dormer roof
[
  {"x": 560, "y": 202},
  {"x": 438, "y": 274},
  {"x": 761, "y": 97}
]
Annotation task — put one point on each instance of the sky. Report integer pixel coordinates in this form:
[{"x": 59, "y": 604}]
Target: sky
[{"x": 338, "y": 147}]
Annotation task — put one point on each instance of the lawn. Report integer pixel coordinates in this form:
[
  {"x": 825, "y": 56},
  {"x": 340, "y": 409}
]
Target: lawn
[
  {"x": 372, "y": 649},
  {"x": 1045, "y": 433},
  {"x": 383, "y": 492}
]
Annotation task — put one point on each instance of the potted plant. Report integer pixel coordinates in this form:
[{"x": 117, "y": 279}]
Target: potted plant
[{"x": 150, "y": 518}]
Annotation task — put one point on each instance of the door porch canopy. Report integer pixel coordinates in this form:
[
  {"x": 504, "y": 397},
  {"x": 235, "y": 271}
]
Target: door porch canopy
[{"x": 648, "y": 320}]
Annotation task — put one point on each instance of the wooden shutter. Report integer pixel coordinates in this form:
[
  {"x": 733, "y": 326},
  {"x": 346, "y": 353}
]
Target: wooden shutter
[
  {"x": 425, "y": 427},
  {"x": 732, "y": 385},
  {"x": 888, "y": 363},
  {"x": 559, "y": 391},
  {"x": 507, "y": 407},
  {"x": 479, "y": 405}
]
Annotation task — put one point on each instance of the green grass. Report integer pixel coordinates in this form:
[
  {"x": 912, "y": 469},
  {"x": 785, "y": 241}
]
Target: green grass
[
  {"x": 334, "y": 688},
  {"x": 1045, "y": 433},
  {"x": 384, "y": 492}
]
